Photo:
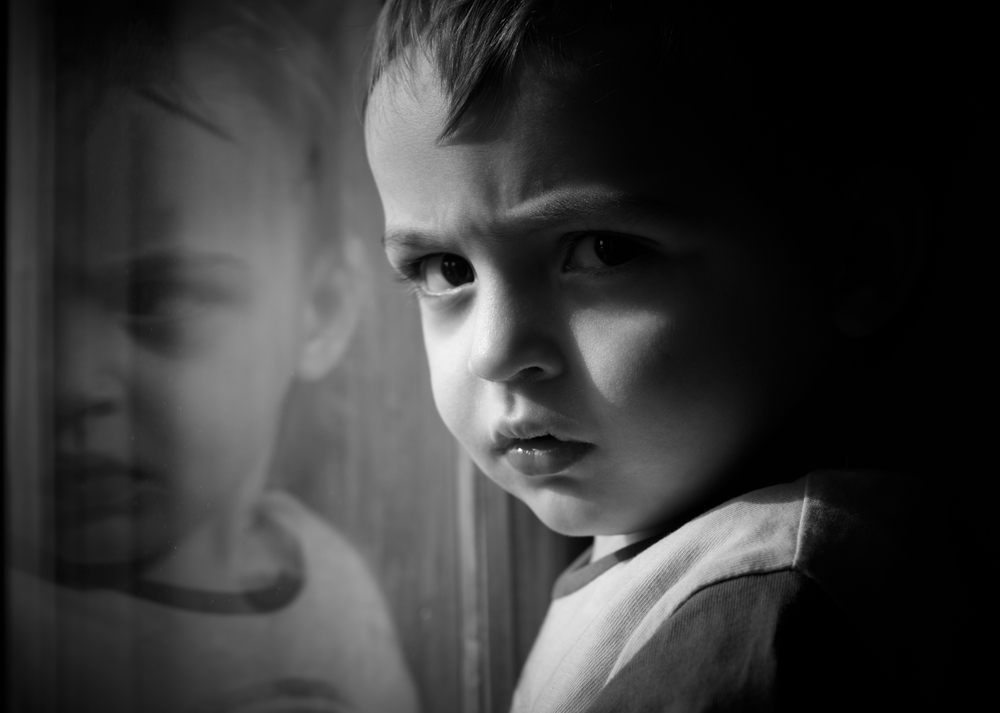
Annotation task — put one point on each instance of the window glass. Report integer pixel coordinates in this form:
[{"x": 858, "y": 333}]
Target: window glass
[{"x": 227, "y": 486}]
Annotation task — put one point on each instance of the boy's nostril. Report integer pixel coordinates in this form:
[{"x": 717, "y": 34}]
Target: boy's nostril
[{"x": 529, "y": 374}]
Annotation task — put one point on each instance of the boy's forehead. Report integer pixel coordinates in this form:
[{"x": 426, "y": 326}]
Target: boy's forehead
[{"x": 566, "y": 131}]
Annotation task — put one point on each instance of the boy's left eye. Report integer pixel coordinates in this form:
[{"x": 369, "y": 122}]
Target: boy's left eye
[
  {"x": 600, "y": 250},
  {"x": 444, "y": 272}
]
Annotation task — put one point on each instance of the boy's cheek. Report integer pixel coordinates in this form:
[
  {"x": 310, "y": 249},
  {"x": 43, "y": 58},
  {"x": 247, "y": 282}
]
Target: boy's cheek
[
  {"x": 621, "y": 350},
  {"x": 451, "y": 385},
  {"x": 447, "y": 360}
]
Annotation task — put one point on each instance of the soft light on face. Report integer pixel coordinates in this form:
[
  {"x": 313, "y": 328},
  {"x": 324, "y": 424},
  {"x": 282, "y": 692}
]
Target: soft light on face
[
  {"x": 611, "y": 322},
  {"x": 181, "y": 310}
]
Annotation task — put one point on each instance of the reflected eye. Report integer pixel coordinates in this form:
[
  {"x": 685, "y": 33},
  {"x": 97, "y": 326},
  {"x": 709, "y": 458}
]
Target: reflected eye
[
  {"x": 598, "y": 250},
  {"x": 163, "y": 300},
  {"x": 445, "y": 272},
  {"x": 165, "y": 314}
]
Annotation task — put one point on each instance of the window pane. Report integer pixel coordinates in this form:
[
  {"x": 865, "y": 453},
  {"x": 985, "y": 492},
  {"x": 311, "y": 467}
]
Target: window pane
[
  {"x": 205, "y": 363},
  {"x": 227, "y": 485}
]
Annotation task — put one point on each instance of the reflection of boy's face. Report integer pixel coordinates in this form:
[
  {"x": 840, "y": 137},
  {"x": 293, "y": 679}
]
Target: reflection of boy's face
[
  {"x": 181, "y": 309},
  {"x": 611, "y": 322}
]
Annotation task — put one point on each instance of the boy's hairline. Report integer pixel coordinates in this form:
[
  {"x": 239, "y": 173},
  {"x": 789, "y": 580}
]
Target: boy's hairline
[
  {"x": 468, "y": 116},
  {"x": 467, "y": 80}
]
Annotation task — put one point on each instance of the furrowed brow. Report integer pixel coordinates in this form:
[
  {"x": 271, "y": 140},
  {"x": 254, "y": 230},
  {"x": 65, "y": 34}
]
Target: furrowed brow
[
  {"x": 547, "y": 211},
  {"x": 564, "y": 207}
]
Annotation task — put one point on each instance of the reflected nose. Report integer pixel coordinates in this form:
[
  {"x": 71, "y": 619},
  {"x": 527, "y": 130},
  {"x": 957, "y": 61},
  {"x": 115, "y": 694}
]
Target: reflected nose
[
  {"x": 515, "y": 337},
  {"x": 91, "y": 354}
]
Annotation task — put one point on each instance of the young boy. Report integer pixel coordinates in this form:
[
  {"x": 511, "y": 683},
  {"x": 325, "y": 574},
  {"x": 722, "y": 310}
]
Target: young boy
[
  {"x": 647, "y": 242},
  {"x": 199, "y": 272}
]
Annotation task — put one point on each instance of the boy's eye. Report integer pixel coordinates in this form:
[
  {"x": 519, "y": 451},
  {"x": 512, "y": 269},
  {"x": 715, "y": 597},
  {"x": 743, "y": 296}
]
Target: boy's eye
[
  {"x": 444, "y": 272},
  {"x": 599, "y": 250}
]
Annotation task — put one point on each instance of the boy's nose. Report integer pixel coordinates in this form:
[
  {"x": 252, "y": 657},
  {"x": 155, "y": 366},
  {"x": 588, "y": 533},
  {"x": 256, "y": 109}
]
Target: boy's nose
[
  {"x": 91, "y": 360},
  {"x": 513, "y": 337}
]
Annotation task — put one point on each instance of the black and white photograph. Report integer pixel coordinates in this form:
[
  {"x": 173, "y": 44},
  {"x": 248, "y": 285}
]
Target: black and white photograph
[{"x": 489, "y": 356}]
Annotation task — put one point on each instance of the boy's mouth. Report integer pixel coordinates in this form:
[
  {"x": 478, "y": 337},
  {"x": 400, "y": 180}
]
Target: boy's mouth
[{"x": 543, "y": 454}]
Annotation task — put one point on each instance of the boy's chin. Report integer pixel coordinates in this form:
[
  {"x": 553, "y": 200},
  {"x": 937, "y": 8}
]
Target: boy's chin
[
  {"x": 577, "y": 517},
  {"x": 570, "y": 516}
]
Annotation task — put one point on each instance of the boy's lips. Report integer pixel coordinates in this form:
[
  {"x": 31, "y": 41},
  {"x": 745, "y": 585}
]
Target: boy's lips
[{"x": 538, "y": 452}]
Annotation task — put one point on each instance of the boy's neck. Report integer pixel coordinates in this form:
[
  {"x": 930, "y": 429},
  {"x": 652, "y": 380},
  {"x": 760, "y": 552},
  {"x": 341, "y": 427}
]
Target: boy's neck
[{"x": 604, "y": 545}]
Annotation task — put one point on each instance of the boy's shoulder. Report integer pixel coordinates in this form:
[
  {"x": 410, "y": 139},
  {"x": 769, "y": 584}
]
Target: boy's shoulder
[{"x": 751, "y": 600}]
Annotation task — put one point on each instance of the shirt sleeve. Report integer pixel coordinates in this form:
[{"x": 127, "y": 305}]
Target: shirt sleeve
[{"x": 763, "y": 642}]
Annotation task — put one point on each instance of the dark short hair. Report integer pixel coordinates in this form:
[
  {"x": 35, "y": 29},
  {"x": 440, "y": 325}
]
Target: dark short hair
[
  {"x": 479, "y": 46},
  {"x": 802, "y": 100}
]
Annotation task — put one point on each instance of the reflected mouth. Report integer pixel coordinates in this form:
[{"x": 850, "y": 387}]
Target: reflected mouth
[
  {"x": 542, "y": 455},
  {"x": 91, "y": 486}
]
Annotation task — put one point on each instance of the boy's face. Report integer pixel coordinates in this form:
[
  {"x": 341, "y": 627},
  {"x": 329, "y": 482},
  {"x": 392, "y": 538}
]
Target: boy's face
[
  {"x": 182, "y": 301},
  {"x": 611, "y": 322}
]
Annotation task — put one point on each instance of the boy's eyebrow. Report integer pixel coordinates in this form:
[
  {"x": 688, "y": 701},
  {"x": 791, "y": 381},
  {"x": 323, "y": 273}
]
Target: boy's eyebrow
[
  {"x": 409, "y": 239},
  {"x": 553, "y": 209},
  {"x": 578, "y": 203}
]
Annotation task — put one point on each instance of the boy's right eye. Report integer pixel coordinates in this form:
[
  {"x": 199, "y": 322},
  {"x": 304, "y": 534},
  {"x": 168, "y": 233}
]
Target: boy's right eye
[{"x": 444, "y": 272}]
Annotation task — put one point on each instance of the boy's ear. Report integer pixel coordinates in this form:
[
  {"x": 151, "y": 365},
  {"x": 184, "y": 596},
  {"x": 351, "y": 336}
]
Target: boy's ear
[
  {"x": 331, "y": 310},
  {"x": 882, "y": 252}
]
